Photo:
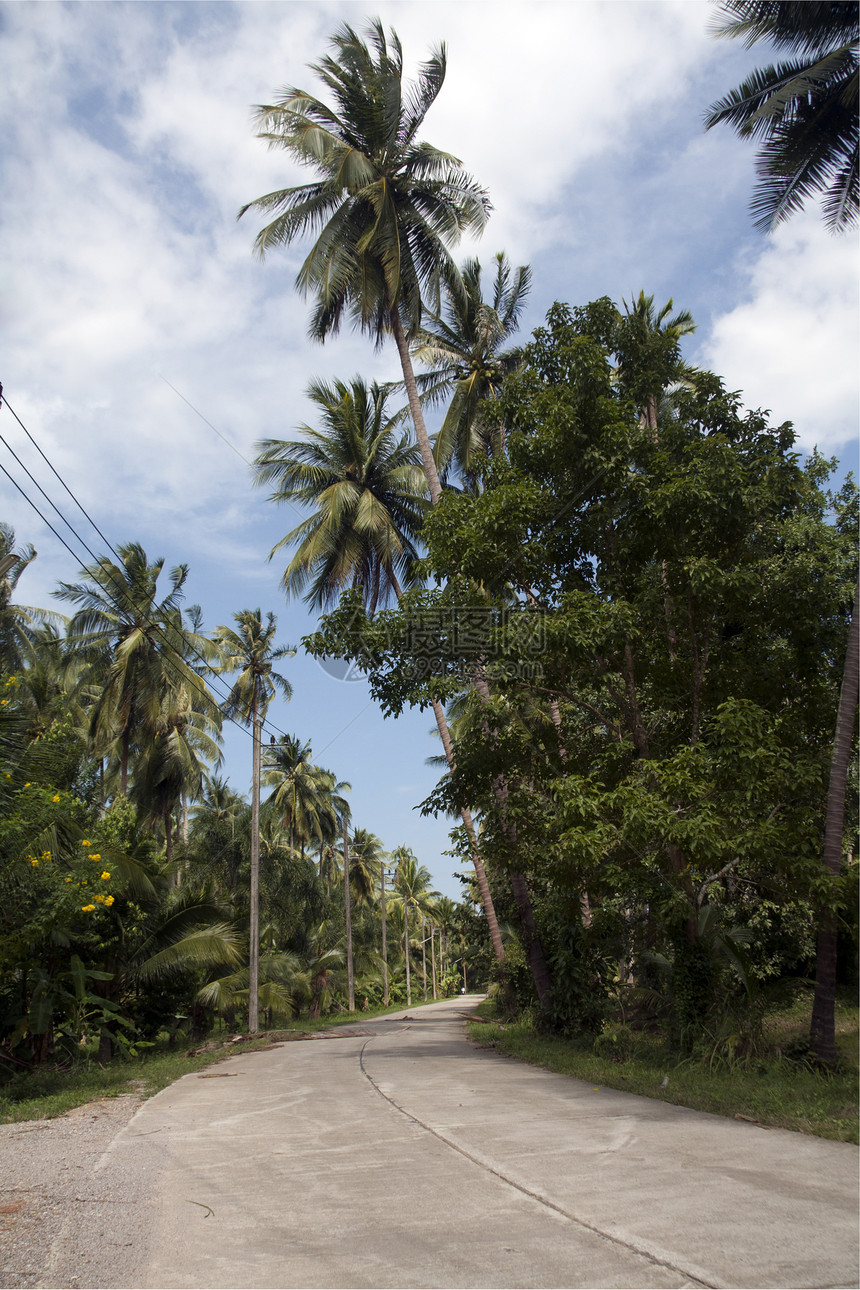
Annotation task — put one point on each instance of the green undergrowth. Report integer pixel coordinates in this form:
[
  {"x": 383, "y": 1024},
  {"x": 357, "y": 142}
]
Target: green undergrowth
[
  {"x": 773, "y": 1090},
  {"x": 50, "y": 1091}
]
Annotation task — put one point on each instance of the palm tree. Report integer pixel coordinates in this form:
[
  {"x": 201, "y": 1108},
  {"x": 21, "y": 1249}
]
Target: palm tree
[
  {"x": 413, "y": 893},
  {"x": 364, "y": 480},
  {"x": 172, "y": 766},
  {"x": 463, "y": 348},
  {"x": 250, "y": 651},
  {"x": 803, "y": 111},
  {"x": 135, "y": 645},
  {"x": 647, "y": 343},
  {"x": 367, "y": 856},
  {"x": 16, "y": 621},
  {"x": 385, "y": 207},
  {"x": 217, "y": 800},
  {"x": 355, "y": 470}
]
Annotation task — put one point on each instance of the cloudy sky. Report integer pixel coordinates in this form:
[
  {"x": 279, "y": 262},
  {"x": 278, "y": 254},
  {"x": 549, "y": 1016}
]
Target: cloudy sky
[{"x": 147, "y": 351}]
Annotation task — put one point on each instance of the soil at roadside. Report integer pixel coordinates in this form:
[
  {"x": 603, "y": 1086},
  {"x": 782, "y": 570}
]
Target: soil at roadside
[{"x": 47, "y": 1172}]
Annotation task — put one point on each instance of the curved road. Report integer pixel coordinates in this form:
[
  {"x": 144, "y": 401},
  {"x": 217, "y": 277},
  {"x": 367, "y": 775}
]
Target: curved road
[{"x": 392, "y": 1153}]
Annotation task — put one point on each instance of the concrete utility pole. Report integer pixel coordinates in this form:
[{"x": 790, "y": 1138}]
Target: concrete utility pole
[
  {"x": 254, "y": 930},
  {"x": 350, "y": 975},
  {"x": 384, "y": 943}
]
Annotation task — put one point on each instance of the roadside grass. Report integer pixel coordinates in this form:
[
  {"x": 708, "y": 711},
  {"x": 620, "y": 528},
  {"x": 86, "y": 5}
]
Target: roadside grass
[
  {"x": 50, "y": 1091},
  {"x": 771, "y": 1090}
]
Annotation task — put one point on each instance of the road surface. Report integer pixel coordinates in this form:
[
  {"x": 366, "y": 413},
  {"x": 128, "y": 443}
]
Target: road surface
[{"x": 397, "y": 1155}]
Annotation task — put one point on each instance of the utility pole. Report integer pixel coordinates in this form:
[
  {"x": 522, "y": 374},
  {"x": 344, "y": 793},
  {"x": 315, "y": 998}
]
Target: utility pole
[
  {"x": 254, "y": 964},
  {"x": 433, "y": 956},
  {"x": 384, "y": 943},
  {"x": 350, "y": 975}
]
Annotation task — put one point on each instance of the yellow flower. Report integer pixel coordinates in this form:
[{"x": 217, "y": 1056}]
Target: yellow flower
[
  {"x": 85, "y": 842},
  {"x": 33, "y": 861},
  {"x": 56, "y": 797},
  {"x": 105, "y": 875},
  {"x": 87, "y": 909},
  {"x": 27, "y": 785},
  {"x": 100, "y": 900},
  {"x": 68, "y": 880},
  {"x": 3, "y": 703},
  {"x": 108, "y": 900},
  {"x": 95, "y": 856}
]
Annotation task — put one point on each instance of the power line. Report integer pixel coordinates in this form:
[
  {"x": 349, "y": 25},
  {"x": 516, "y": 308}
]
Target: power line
[{"x": 100, "y": 561}]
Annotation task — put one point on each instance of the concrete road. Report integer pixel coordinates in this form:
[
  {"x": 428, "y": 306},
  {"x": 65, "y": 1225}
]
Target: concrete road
[{"x": 396, "y": 1155}]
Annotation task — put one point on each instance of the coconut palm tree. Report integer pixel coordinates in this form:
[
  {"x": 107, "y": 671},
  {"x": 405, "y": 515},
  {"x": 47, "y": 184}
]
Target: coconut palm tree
[
  {"x": 385, "y": 206},
  {"x": 412, "y": 891},
  {"x": 135, "y": 645},
  {"x": 184, "y": 740},
  {"x": 16, "y": 621},
  {"x": 364, "y": 480},
  {"x": 647, "y": 343},
  {"x": 803, "y": 111},
  {"x": 217, "y": 800},
  {"x": 359, "y": 446},
  {"x": 464, "y": 347},
  {"x": 250, "y": 651}
]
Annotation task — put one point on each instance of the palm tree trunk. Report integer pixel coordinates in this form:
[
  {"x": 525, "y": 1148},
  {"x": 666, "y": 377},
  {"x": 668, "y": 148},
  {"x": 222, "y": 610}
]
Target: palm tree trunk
[
  {"x": 531, "y": 937},
  {"x": 168, "y": 847},
  {"x": 350, "y": 975},
  {"x": 435, "y": 494},
  {"x": 823, "y": 1029},
  {"x": 254, "y": 961},
  {"x": 123, "y": 762},
  {"x": 415, "y": 407},
  {"x": 480, "y": 871}
]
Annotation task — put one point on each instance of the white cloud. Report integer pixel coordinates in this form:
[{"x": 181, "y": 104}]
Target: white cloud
[{"x": 792, "y": 344}]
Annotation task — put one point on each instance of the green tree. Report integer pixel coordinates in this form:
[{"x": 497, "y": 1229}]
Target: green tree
[
  {"x": 803, "y": 111},
  {"x": 250, "y": 650},
  {"x": 688, "y": 600},
  {"x": 386, "y": 206}
]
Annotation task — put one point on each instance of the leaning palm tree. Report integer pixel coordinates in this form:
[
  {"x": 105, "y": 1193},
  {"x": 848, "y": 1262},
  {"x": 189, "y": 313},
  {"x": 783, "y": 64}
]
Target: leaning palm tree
[
  {"x": 353, "y": 471},
  {"x": 385, "y": 206},
  {"x": 467, "y": 349},
  {"x": 250, "y": 651},
  {"x": 802, "y": 111}
]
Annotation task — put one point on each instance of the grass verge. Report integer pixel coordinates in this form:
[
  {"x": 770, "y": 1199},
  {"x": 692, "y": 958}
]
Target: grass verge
[
  {"x": 46, "y": 1093},
  {"x": 771, "y": 1091}
]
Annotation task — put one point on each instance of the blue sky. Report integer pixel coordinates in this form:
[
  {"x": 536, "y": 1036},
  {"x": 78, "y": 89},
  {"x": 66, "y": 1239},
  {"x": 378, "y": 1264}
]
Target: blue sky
[{"x": 128, "y": 150}]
